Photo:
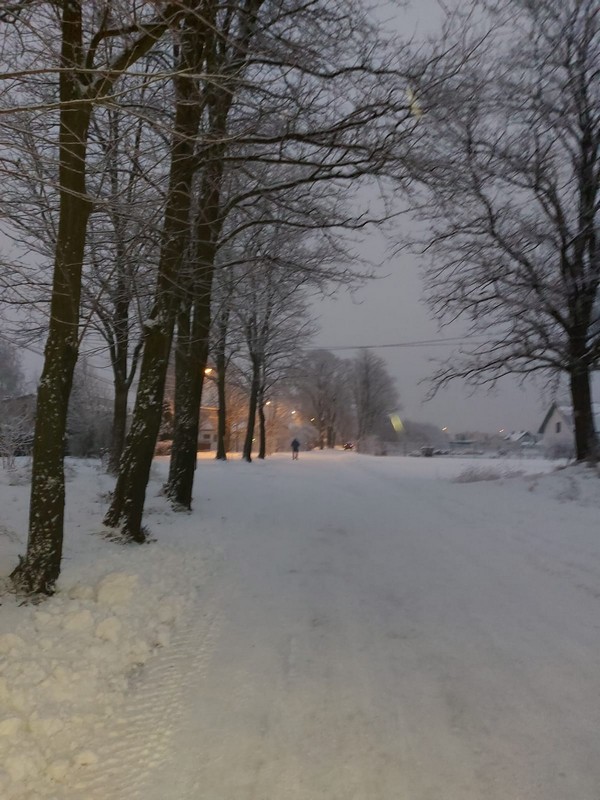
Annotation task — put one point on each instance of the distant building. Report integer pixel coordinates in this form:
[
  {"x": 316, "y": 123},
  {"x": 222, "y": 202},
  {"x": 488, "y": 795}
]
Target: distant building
[
  {"x": 207, "y": 432},
  {"x": 521, "y": 439},
  {"x": 462, "y": 444},
  {"x": 558, "y": 429}
]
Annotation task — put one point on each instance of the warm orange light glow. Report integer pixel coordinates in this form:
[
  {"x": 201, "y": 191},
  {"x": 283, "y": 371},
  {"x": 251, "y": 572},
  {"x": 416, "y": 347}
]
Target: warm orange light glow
[{"x": 208, "y": 371}]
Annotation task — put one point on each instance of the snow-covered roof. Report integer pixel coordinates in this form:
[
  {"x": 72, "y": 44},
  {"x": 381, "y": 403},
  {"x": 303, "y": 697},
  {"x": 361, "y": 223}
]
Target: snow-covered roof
[{"x": 518, "y": 436}]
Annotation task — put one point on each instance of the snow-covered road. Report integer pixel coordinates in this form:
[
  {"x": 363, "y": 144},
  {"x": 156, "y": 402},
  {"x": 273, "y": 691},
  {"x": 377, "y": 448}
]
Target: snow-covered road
[
  {"x": 340, "y": 627},
  {"x": 375, "y": 632}
]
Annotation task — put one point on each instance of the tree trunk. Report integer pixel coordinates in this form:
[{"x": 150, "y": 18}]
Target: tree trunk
[
  {"x": 190, "y": 362},
  {"x": 586, "y": 444},
  {"x": 193, "y": 352},
  {"x": 39, "y": 570},
  {"x": 253, "y": 402},
  {"x": 262, "y": 450},
  {"x": 119, "y": 426},
  {"x": 188, "y": 383},
  {"x": 220, "y": 367},
  {"x": 129, "y": 495},
  {"x": 330, "y": 437}
]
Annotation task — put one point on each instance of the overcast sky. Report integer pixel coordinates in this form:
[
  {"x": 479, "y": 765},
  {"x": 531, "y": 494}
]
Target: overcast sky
[{"x": 391, "y": 310}]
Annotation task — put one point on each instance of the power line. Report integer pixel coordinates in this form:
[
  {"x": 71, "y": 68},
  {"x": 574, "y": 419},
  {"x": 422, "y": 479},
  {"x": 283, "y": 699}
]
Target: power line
[{"x": 450, "y": 342}]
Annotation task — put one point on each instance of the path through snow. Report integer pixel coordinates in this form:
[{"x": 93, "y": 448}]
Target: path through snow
[{"x": 386, "y": 636}]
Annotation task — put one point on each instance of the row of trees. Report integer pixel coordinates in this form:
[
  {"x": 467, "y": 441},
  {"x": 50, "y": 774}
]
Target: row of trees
[
  {"x": 311, "y": 394},
  {"x": 156, "y": 157},
  {"x": 345, "y": 399}
]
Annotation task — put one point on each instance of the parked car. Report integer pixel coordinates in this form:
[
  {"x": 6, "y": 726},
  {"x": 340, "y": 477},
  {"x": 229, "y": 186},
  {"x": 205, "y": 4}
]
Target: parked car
[{"x": 349, "y": 446}]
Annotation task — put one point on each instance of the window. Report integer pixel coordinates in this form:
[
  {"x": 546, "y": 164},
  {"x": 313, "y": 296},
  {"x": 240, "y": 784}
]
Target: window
[
  {"x": 558, "y": 427},
  {"x": 206, "y": 436}
]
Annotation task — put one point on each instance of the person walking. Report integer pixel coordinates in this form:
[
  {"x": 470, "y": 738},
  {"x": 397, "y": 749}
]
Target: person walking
[{"x": 295, "y": 449}]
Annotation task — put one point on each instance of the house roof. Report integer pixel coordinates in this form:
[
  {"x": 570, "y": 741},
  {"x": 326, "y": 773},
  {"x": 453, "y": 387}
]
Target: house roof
[
  {"x": 518, "y": 436},
  {"x": 566, "y": 412}
]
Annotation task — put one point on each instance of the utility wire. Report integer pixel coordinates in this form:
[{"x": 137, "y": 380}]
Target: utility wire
[{"x": 450, "y": 342}]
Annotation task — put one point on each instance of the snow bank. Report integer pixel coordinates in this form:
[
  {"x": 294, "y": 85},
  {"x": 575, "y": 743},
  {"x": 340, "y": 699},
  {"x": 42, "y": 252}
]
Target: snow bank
[
  {"x": 67, "y": 664},
  {"x": 67, "y": 669}
]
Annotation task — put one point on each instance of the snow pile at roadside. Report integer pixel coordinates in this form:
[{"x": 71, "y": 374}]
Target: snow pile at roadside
[
  {"x": 66, "y": 669},
  {"x": 67, "y": 664},
  {"x": 577, "y": 483},
  {"x": 572, "y": 483}
]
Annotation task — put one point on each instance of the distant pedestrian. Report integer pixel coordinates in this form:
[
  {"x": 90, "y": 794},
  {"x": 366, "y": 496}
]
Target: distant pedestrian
[{"x": 295, "y": 449}]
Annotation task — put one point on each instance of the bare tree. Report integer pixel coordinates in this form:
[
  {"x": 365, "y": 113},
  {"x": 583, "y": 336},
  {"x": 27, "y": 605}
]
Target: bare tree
[
  {"x": 226, "y": 60},
  {"x": 510, "y": 156},
  {"x": 123, "y": 175},
  {"x": 89, "y": 422},
  {"x": 375, "y": 395},
  {"x": 323, "y": 389},
  {"x": 222, "y": 348},
  {"x": 273, "y": 316},
  {"x": 126, "y": 177},
  {"x": 127, "y": 504},
  {"x": 84, "y": 78}
]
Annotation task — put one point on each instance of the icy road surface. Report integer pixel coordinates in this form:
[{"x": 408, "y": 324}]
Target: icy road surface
[{"x": 372, "y": 631}]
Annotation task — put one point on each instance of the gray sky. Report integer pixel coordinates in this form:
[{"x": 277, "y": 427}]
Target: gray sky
[{"x": 390, "y": 310}]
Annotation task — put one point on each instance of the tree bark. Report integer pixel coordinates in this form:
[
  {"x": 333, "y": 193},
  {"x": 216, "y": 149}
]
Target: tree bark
[
  {"x": 262, "y": 448},
  {"x": 190, "y": 362},
  {"x": 39, "y": 570},
  {"x": 252, "y": 405},
  {"x": 586, "y": 443},
  {"x": 119, "y": 426},
  {"x": 220, "y": 366}
]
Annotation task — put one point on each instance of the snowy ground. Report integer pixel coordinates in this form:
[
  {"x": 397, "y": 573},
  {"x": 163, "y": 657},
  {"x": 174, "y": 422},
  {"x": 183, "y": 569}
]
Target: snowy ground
[{"x": 342, "y": 627}]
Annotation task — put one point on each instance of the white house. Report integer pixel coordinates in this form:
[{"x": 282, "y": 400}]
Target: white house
[{"x": 557, "y": 429}]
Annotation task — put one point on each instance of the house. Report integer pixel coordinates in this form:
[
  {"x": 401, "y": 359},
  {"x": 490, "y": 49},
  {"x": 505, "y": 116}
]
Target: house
[
  {"x": 207, "y": 432},
  {"x": 557, "y": 429},
  {"x": 521, "y": 439}
]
